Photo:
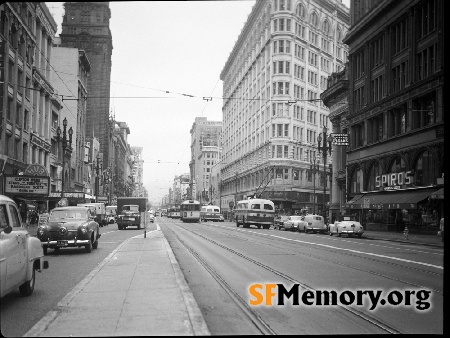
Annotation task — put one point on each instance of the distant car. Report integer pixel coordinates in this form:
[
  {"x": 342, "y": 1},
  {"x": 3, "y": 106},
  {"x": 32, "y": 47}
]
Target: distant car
[
  {"x": 20, "y": 254},
  {"x": 221, "y": 218},
  {"x": 69, "y": 227},
  {"x": 279, "y": 222},
  {"x": 292, "y": 223},
  {"x": 346, "y": 224},
  {"x": 313, "y": 223},
  {"x": 152, "y": 218},
  {"x": 111, "y": 214}
]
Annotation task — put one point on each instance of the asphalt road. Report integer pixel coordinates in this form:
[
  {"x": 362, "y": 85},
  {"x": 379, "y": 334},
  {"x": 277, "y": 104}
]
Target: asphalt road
[
  {"x": 67, "y": 268},
  {"x": 221, "y": 262}
]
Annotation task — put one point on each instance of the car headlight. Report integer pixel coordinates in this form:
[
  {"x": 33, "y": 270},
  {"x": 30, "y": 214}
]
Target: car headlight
[
  {"x": 42, "y": 229},
  {"x": 83, "y": 229}
]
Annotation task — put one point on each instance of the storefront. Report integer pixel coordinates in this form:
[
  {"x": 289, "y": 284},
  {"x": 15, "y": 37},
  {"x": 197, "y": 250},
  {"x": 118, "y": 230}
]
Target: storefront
[{"x": 379, "y": 210}]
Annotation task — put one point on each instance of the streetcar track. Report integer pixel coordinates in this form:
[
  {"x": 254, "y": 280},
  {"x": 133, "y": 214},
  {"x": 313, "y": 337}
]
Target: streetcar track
[
  {"x": 242, "y": 303},
  {"x": 270, "y": 237}
]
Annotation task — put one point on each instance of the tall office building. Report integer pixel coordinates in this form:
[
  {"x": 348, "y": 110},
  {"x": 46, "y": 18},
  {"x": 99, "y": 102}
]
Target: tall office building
[
  {"x": 272, "y": 113},
  {"x": 205, "y": 151},
  {"x": 86, "y": 26}
]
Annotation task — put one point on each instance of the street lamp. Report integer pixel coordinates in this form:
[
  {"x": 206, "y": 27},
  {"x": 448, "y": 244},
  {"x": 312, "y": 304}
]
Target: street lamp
[
  {"x": 324, "y": 148},
  {"x": 65, "y": 143},
  {"x": 314, "y": 167},
  {"x": 97, "y": 167}
]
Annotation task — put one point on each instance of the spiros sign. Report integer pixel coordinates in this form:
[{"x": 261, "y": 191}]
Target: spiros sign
[{"x": 394, "y": 181}]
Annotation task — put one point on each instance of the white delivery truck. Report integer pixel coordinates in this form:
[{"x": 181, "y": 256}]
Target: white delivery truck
[{"x": 99, "y": 209}]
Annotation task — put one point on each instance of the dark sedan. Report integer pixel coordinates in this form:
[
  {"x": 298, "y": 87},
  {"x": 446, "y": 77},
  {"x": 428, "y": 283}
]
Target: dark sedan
[
  {"x": 279, "y": 222},
  {"x": 69, "y": 227}
]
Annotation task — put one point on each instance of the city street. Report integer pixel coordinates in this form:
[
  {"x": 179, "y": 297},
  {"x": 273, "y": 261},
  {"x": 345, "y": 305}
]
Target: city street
[{"x": 221, "y": 261}]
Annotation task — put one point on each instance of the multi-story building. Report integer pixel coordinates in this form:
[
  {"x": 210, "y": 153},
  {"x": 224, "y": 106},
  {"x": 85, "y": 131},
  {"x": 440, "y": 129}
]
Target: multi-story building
[
  {"x": 138, "y": 171},
  {"x": 180, "y": 189},
  {"x": 335, "y": 97},
  {"x": 86, "y": 26},
  {"x": 29, "y": 107},
  {"x": 272, "y": 114},
  {"x": 395, "y": 161},
  {"x": 205, "y": 152},
  {"x": 70, "y": 73},
  {"x": 122, "y": 161}
]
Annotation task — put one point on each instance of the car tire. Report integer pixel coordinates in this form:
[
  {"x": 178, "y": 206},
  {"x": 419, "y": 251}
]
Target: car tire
[
  {"x": 237, "y": 223},
  {"x": 26, "y": 289},
  {"x": 119, "y": 227},
  {"x": 359, "y": 235},
  {"x": 56, "y": 250},
  {"x": 330, "y": 233},
  {"x": 304, "y": 230},
  {"x": 339, "y": 234},
  {"x": 95, "y": 244},
  {"x": 88, "y": 247}
]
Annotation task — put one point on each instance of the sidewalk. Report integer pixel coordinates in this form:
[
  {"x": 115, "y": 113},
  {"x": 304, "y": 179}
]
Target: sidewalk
[
  {"x": 431, "y": 240},
  {"x": 138, "y": 290}
]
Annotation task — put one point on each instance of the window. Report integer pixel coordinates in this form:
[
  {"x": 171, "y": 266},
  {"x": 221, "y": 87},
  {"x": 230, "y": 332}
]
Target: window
[
  {"x": 300, "y": 11},
  {"x": 357, "y": 135},
  {"x": 358, "y": 64},
  {"x": 26, "y": 116},
  {"x": 298, "y": 92},
  {"x": 377, "y": 52},
  {"x": 314, "y": 19},
  {"x": 356, "y": 181},
  {"x": 325, "y": 64},
  {"x": 299, "y": 72},
  {"x": 375, "y": 129},
  {"x": 426, "y": 169},
  {"x": 423, "y": 113},
  {"x": 300, "y": 30},
  {"x": 282, "y": 25},
  {"x": 299, "y": 52},
  {"x": 399, "y": 77},
  {"x": 400, "y": 36},
  {"x": 312, "y": 58},
  {"x": 426, "y": 62},
  {"x": 313, "y": 38},
  {"x": 279, "y": 155},
  {"x": 358, "y": 98},
  {"x": 375, "y": 170},
  {"x": 377, "y": 88},
  {"x": 426, "y": 15}
]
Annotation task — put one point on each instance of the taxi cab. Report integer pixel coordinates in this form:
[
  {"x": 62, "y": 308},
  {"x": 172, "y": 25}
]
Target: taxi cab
[{"x": 20, "y": 253}]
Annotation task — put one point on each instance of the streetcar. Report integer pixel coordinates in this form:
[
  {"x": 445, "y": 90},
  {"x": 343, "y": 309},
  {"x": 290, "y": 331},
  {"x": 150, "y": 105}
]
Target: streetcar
[
  {"x": 190, "y": 211},
  {"x": 257, "y": 211},
  {"x": 173, "y": 212}
]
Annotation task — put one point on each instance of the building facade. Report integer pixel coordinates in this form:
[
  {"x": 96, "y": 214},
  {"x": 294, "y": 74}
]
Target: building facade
[
  {"x": 71, "y": 69},
  {"x": 272, "y": 113},
  {"x": 205, "y": 150},
  {"x": 86, "y": 26},
  {"x": 29, "y": 106},
  {"x": 395, "y": 161}
]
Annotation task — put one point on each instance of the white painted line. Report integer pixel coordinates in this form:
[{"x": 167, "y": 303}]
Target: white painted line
[{"x": 344, "y": 249}]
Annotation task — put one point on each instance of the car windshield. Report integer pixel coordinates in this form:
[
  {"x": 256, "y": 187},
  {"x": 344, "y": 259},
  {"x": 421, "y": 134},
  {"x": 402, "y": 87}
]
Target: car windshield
[
  {"x": 57, "y": 215},
  {"x": 296, "y": 218}
]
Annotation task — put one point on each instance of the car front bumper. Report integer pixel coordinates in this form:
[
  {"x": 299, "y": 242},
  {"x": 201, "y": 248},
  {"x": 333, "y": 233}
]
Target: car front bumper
[{"x": 67, "y": 243}]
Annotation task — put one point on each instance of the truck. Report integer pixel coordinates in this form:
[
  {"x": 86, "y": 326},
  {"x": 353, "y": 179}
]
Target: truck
[
  {"x": 130, "y": 211},
  {"x": 100, "y": 211}
]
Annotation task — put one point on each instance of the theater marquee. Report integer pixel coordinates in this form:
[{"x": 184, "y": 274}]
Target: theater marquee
[{"x": 27, "y": 185}]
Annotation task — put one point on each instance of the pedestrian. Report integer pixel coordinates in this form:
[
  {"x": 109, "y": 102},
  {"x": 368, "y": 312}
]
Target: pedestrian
[
  {"x": 441, "y": 228},
  {"x": 399, "y": 222},
  {"x": 35, "y": 218}
]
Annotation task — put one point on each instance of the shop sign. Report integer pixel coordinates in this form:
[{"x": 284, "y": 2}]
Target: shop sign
[
  {"x": 340, "y": 139},
  {"x": 40, "y": 143},
  {"x": 394, "y": 181},
  {"x": 27, "y": 185}
]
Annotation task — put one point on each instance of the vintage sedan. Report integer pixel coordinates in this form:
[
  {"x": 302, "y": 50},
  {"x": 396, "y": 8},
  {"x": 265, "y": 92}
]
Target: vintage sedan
[
  {"x": 293, "y": 222},
  {"x": 279, "y": 222},
  {"x": 20, "y": 253},
  {"x": 69, "y": 227},
  {"x": 346, "y": 224},
  {"x": 313, "y": 223}
]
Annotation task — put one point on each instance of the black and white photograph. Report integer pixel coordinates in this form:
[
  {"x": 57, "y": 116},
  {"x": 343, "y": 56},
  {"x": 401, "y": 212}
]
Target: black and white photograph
[{"x": 221, "y": 168}]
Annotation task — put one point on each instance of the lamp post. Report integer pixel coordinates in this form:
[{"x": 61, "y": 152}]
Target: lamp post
[
  {"x": 324, "y": 148},
  {"x": 65, "y": 143},
  {"x": 97, "y": 167},
  {"x": 314, "y": 167}
]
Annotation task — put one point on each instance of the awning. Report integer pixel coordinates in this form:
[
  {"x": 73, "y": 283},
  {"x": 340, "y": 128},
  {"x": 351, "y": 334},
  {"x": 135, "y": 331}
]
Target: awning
[
  {"x": 404, "y": 199},
  {"x": 438, "y": 195}
]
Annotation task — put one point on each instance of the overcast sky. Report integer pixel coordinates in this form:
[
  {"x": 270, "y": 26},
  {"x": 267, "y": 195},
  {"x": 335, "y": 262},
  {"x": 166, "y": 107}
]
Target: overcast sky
[{"x": 176, "y": 46}]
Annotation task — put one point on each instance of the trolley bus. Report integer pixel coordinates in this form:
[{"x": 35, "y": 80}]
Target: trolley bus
[
  {"x": 173, "y": 212},
  {"x": 259, "y": 212},
  {"x": 210, "y": 213},
  {"x": 190, "y": 211}
]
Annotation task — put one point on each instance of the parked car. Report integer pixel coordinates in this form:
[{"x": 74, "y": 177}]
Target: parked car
[
  {"x": 279, "y": 221},
  {"x": 346, "y": 224},
  {"x": 152, "y": 217},
  {"x": 70, "y": 227},
  {"x": 313, "y": 223},
  {"x": 20, "y": 253},
  {"x": 292, "y": 223}
]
